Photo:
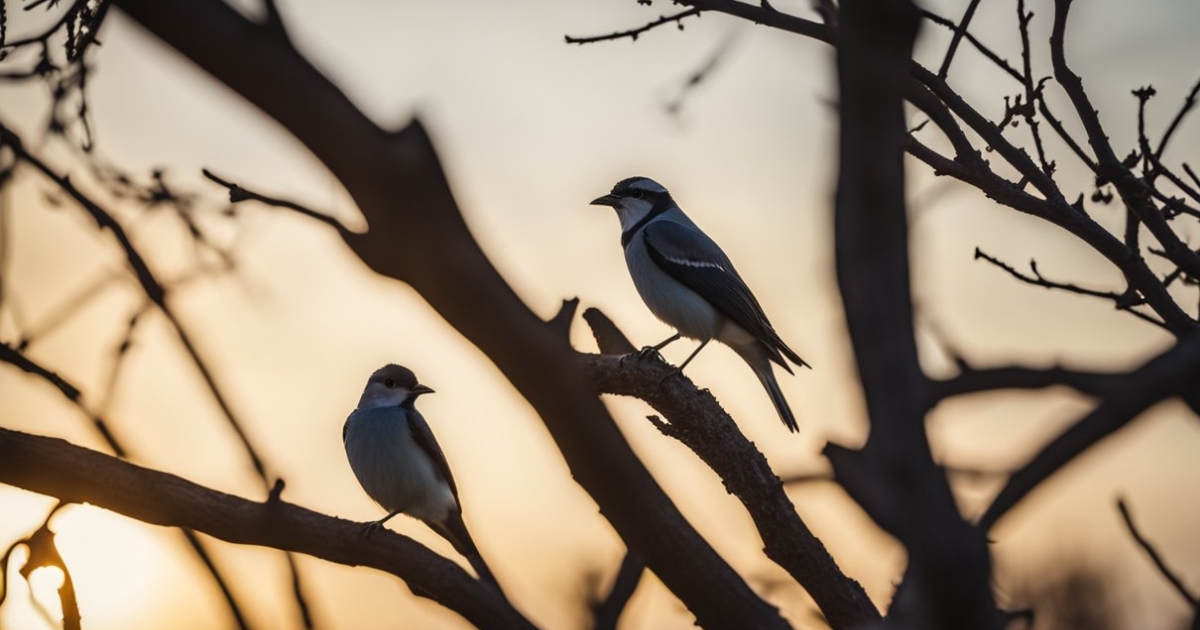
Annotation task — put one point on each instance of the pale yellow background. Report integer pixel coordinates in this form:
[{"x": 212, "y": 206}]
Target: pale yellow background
[{"x": 532, "y": 129}]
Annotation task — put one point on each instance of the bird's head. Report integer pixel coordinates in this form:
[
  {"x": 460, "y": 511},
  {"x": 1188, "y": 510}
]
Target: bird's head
[
  {"x": 392, "y": 386},
  {"x": 634, "y": 198}
]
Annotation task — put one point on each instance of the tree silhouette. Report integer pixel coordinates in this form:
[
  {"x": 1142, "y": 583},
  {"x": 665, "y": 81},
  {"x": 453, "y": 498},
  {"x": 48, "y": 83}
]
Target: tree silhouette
[{"x": 397, "y": 180}]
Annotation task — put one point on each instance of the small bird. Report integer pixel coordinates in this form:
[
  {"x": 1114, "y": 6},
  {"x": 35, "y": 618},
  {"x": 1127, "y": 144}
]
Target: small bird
[
  {"x": 393, "y": 453},
  {"x": 690, "y": 284}
]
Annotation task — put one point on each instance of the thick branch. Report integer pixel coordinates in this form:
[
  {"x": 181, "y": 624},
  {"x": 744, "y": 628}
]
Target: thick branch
[
  {"x": 1172, "y": 373},
  {"x": 971, "y": 381},
  {"x": 697, "y": 419},
  {"x": 56, "y": 468},
  {"x": 894, "y": 476},
  {"x": 398, "y": 183}
]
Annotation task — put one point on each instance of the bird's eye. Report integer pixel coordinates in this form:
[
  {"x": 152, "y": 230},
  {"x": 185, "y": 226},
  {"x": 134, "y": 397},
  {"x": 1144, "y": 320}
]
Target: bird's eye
[
  {"x": 637, "y": 194},
  {"x": 389, "y": 383}
]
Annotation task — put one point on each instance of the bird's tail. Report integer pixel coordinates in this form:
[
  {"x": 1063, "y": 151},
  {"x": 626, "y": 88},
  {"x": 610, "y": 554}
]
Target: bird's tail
[
  {"x": 455, "y": 531},
  {"x": 756, "y": 357}
]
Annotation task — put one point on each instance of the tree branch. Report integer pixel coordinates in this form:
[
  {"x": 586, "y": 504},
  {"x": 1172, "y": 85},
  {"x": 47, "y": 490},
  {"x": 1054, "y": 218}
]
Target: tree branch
[
  {"x": 697, "y": 420},
  {"x": 1172, "y": 373},
  {"x": 1157, "y": 559},
  {"x": 398, "y": 183},
  {"x": 894, "y": 476},
  {"x": 633, "y": 33},
  {"x": 56, "y": 468}
]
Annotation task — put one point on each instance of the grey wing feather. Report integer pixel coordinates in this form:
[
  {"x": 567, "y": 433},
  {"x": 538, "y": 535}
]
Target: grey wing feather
[
  {"x": 693, "y": 259},
  {"x": 423, "y": 436}
]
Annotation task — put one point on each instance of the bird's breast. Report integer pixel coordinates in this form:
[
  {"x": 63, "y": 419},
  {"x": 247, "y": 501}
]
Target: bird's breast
[
  {"x": 670, "y": 300},
  {"x": 391, "y": 468}
]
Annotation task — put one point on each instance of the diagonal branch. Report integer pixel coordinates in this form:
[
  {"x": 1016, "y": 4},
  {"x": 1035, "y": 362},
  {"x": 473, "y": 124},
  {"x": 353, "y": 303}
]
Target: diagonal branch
[
  {"x": 1155, "y": 557},
  {"x": 1124, "y": 301},
  {"x": 697, "y": 420},
  {"x": 399, "y": 185},
  {"x": 1172, "y": 373},
  {"x": 77, "y": 475},
  {"x": 959, "y": 32}
]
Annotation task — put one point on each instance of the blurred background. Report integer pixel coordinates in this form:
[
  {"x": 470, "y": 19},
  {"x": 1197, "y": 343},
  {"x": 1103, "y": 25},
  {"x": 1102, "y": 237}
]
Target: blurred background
[{"x": 530, "y": 129}]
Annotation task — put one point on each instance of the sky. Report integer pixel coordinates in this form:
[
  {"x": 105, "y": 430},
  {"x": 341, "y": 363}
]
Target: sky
[{"x": 531, "y": 129}]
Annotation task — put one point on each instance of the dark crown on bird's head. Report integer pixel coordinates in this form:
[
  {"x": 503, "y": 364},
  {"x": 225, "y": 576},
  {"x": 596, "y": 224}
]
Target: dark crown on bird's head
[
  {"x": 638, "y": 186},
  {"x": 398, "y": 375}
]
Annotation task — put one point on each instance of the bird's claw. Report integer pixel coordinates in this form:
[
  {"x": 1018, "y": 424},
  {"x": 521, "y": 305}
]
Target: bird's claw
[
  {"x": 650, "y": 352},
  {"x": 369, "y": 529}
]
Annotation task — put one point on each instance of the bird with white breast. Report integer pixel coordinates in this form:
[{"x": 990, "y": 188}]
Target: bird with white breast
[
  {"x": 689, "y": 283},
  {"x": 398, "y": 462}
]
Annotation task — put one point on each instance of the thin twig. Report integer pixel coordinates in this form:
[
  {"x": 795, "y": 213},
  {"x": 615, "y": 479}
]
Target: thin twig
[
  {"x": 1155, "y": 557},
  {"x": 958, "y": 35},
  {"x": 1123, "y": 301},
  {"x": 633, "y": 33}
]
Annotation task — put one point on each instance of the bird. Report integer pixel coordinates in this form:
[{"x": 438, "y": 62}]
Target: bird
[
  {"x": 689, "y": 283},
  {"x": 399, "y": 464}
]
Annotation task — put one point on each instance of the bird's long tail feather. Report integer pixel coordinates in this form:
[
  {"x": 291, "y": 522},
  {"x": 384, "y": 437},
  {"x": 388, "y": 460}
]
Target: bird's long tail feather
[
  {"x": 756, "y": 357},
  {"x": 455, "y": 531}
]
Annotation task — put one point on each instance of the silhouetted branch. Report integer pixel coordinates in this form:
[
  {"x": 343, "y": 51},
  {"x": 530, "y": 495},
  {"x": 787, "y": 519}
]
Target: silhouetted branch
[
  {"x": 893, "y": 477},
  {"x": 696, "y": 419},
  {"x": 1155, "y": 557},
  {"x": 971, "y": 380},
  {"x": 959, "y": 32},
  {"x": 983, "y": 49},
  {"x": 1123, "y": 301},
  {"x": 238, "y": 194},
  {"x": 633, "y": 33},
  {"x": 608, "y": 612},
  {"x": 78, "y": 475},
  {"x": 1171, "y": 373},
  {"x": 68, "y": 390},
  {"x": 397, "y": 181},
  {"x": 10, "y": 355},
  {"x": 1188, "y": 102}
]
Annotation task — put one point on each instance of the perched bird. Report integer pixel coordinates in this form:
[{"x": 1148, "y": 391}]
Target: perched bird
[
  {"x": 689, "y": 283},
  {"x": 398, "y": 462}
]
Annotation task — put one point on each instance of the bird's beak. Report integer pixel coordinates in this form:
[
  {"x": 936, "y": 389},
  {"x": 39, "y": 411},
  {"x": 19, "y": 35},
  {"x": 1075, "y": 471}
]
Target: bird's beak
[
  {"x": 606, "y": 200},
  {"x": 419, "y": 389}
]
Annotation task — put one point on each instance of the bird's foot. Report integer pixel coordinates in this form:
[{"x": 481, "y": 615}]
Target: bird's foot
[
  {"x": 650, "y": 352},
  {"x": 369, "y": 529}
]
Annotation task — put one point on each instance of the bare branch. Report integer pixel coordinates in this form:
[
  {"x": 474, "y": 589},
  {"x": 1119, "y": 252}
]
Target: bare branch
[
  {"x": 78, "y": 475},
  {"x": 1155, "y": 557},
  {"x": 1123, "y": 301},
  {"x": 608, "y": 612},
  {"x": 237, "y": 194},
  {"x": 983, "y": 49},
  {"x": 398, "y": 183},
  {"x": 633, "y": 33},
  {"x": 695, "y": 418},
  {"x": 1171, "y": 373},
  {"x": 894, "y": 476},
  {"x": 959, "y": 31},
  {"x": 971, "y": 380},
  {"x": 1188, "y": 102}
]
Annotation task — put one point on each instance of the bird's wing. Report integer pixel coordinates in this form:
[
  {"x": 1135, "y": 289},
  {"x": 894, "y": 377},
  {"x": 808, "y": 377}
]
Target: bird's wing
[
  {"x": 689, "y": 256},
  {"x": 423, "y": 436}
]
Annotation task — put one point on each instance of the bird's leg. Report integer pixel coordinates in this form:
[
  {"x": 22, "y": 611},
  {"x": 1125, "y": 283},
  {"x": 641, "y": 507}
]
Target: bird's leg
[
  {"x": 374, "y": 526},
  {"x": 652, "y": 351},
  {"x": 693, "y": 355},
  {"x": 679, "y": 370}
]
